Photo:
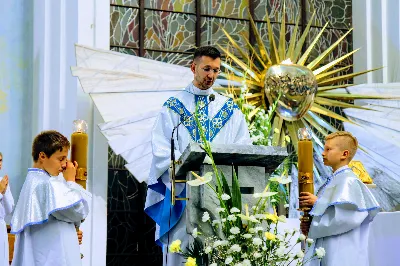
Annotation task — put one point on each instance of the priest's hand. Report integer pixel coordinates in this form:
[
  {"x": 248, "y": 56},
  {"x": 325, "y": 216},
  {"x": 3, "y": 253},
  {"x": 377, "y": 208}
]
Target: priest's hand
[
  {"x": 4, "y": 184},
  {"x": 307, "y": 199},
  {"x": 80, "y": 236},
  {"x": 70, "y": 171}
]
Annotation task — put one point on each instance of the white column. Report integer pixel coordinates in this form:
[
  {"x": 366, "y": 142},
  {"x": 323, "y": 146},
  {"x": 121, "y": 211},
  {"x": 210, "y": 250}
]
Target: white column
[
  {"x": 377, "y": 33},
  {"x": 58, "y": 98}
]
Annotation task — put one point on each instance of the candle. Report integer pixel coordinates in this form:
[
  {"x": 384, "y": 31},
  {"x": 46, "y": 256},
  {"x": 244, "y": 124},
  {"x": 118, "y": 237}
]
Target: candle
[
  {"x": 305, "y": 161},
  {"x": 79, "y": 151}
]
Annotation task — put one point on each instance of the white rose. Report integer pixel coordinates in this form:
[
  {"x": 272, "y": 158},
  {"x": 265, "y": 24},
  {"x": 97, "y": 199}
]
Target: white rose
[
  {"x": 302, "y": 237},
  {"x": 225, "y": 197},
  {"x": 257, "y": 241},
  {"x": 206, "y": 217},
  {"x": 228, "y": 260},
  {"x": 320, "y": 252},
  {"x": 234, "y": 230}
]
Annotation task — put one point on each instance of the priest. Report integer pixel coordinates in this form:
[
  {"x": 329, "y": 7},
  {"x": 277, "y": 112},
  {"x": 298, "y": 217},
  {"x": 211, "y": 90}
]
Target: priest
[{"x": 223, "y": 123}]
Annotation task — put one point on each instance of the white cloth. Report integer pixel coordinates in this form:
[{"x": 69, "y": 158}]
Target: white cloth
[
  {"x": 6, "y": 207},
  {"x": 342, "y": 215},
  {"x": 234, "y": 131},
  {"x": 44, "y": 221}
]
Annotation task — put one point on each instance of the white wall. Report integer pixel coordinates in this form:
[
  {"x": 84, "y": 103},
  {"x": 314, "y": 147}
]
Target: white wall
[{"x": 377, "y": 33}]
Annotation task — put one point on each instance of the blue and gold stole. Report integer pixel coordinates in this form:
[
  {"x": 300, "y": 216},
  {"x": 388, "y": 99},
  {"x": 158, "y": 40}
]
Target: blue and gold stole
[{"x": 211, "y": 126}]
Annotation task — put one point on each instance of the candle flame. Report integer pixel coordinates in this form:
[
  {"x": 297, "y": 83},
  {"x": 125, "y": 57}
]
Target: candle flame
[{"x": 287, "y": 62}]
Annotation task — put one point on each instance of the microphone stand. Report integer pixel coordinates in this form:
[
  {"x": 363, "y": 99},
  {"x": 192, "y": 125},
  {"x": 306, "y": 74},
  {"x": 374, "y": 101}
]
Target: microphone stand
[{"x": 211, "y": 98}]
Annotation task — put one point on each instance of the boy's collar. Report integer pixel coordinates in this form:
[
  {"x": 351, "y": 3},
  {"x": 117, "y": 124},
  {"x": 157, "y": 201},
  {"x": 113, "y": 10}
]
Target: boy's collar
[{"x": 341, "y": 169}]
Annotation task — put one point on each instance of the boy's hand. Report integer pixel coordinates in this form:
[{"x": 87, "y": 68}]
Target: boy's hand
[
  {"x": 70, "y": 171},
  {"x": 80, "y": 236},
  {"x": 307, "y": 199},
  {"x": 4, "y": 184}
]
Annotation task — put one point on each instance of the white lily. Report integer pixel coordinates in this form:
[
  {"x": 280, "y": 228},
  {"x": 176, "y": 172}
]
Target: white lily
[
  {"x": 247, "y": 217},
  {"x": 281, "y": 179},
  {"x": 200, "y": 180}
]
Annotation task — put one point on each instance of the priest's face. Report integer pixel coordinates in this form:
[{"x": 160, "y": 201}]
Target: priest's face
[
  {"x": 205, "y": 70},
  {"x": 56, "y": 163}
]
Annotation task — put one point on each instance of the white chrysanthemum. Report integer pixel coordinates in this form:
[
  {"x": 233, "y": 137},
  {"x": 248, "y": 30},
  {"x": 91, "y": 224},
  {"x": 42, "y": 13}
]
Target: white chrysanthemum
[
  {"x": 247, "y": 236},
  {"x": 310, "y": 241},
  {"x": 300, "y": 254},
  {"x": 223, "y": 220},
  {"x": 206, "y": 217},
  {"x": 228, "y": 260},
  {"x": 231, "y": 237},
  {"x": 225, "y": 197},
  {"x": 280, "y": 252},
  {"x": 246, "y": 263},
  {"x": 259, "y": 229},
  {"x": 215, "y": 222},
  {"x": 235, "y": 248},
  {"x": 320, "y": 252},
  {"x": 257, "y": 241},
  {"x": 232, "y": 218},
  {"x": 302, "y": 237},
  {"x": 235, "y": 230},
  {"x": 218, "y": 210},
  {"x": 235, "y": 210},
  {"x": 282, "y": 218},
  {"x": 257, "y": 255},
  {"x": 224, "y": 242},
  {"x": 208, "y": 250}
]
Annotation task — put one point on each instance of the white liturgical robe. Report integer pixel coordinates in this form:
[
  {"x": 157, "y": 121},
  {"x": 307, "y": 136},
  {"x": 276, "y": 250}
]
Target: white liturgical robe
[
  {"x": 44, "y": 221},
  {"x": 222, "y": 122},
  {"x": 341, "y": 218},
  {"x": 6, "y": 207}
]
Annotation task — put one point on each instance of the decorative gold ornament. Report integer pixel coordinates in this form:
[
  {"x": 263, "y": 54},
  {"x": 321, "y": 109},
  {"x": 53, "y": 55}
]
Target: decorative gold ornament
[{"x": 360, "y": 171}]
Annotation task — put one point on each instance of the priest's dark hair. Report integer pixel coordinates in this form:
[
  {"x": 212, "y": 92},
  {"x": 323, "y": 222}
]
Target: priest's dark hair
[
  {"x": 206, "y": 51},
  {"x": 48, "y": 142}
]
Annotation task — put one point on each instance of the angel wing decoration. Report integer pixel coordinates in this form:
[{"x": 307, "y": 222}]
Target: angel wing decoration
[{"x": 129, "y": 92}]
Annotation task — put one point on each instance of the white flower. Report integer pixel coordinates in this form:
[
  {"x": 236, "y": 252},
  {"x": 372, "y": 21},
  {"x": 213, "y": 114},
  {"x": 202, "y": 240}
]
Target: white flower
[
  {"x": 195, "y": 233},
  {"x": 287, "y": 231},
  {"x": 286, "y": 205},
  {"x": 300, "y": 254},
  {"x": 235, "y": 210},
  {"x": 208, "y": 250},
  {"x": 302, "y": 237},
  {"x": 235, "y": 248},
  {"x": 206, "y": 217},
  {"x": 257, "y": 255},
  {"x": 225, "y": 197},
  {"x": 228, "y": 260},
  {"x": 320, "y": 252},
  {"x": 234, "y": 230},
  {"x": 282, "y": 218},
  {"x": 310, "y": 241},
  {"x": 251, "y": 230},
  {"x": 232, "y": 218},
  {"x": 259, "y": 229},
  {"x": 264, "y": 194},
  {"x": 220, "y": 210},
  {"x": 280, "y": 251},
  {"x": 246, "y": 263},
  {"x": 200, "y": 180},
  {"x": 215, "y": 222},
  {"x": 260, "y": 216},
  {"x": 224, "y": 242},
  {"x": 213, "y": 264},
  {"x": 217, "y": 243},
  {"x": 281, "y": 179},
  {"x": 257, "y": 241},
  {"x": 231, "y": 237},
  {"x": 247, "y": 236},
  {"x": 250, "y": 218},
  {"x": 223, "y": 220}
]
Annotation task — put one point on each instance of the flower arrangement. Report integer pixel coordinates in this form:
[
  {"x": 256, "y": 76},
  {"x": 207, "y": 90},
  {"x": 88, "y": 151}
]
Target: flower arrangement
[{"x": 246, "y": 236}]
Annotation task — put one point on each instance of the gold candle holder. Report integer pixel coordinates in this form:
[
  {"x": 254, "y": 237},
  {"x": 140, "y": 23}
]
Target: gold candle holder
[{"x": 79, "y": 150}]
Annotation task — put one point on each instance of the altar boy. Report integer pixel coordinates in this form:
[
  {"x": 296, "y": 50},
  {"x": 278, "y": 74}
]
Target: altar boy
[
  {"x": 49, "y": 207},
  {"x": 342, "y": 209}
]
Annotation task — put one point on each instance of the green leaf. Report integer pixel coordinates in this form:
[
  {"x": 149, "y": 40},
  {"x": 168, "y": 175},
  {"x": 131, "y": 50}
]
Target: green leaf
[
  {"x": 226, "y": 190},
  {"x": 236, "y": 195}
]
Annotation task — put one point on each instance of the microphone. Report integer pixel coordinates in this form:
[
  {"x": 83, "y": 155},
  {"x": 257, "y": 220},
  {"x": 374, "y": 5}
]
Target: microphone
[{"x": 211, "y": 98}]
